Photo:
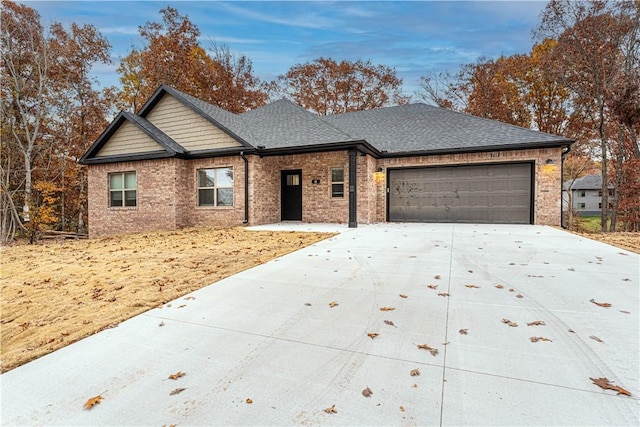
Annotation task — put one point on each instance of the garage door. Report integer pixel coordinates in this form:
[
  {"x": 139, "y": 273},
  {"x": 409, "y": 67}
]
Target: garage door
[{"x": 482, "y": 194}]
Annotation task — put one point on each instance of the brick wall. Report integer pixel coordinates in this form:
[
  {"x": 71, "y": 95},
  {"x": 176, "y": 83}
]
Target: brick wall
[{"x": 167, "y": 195}]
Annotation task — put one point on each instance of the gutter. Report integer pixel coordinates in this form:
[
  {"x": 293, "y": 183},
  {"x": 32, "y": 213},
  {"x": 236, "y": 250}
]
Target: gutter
[
  {"x": 566, "y": 151},
  {"x": 246, "y": 188}
]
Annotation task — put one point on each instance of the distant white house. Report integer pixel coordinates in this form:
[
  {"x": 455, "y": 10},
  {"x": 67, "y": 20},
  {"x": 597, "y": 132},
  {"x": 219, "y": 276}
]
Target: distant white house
[{"x": 585, "y": 195}]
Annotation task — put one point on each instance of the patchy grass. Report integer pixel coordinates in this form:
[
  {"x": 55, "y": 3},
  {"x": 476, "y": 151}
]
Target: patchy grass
[{"x": 56, "y": 293}]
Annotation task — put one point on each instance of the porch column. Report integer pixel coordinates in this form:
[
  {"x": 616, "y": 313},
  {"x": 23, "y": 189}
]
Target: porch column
[{"x": 353, "y": 200}]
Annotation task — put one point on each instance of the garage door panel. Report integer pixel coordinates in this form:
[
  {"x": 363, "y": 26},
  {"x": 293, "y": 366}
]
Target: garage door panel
[{"x": 484, "y": 194}]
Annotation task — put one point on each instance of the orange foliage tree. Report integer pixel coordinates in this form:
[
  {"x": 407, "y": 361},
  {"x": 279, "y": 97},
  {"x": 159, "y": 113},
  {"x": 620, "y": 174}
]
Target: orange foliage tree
[
  {"x": 326, "y": 86},
  {"x": 173, "y": 55}
]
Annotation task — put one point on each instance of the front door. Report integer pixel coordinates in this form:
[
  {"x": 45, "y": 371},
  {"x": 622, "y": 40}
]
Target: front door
[{"x": 291, "y": 198}]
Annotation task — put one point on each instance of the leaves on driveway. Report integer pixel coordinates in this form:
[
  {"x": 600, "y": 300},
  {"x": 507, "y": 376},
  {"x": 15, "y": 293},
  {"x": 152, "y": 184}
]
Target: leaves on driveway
[
  {"x": 367, "y": 392},
  {"x": 443, "y": 294},
  {"x": 536, "y": 323},
  {"x": 177, "y": 391},
  {"x": 331, "y": 410},
  {"x": 93, "y": 401},
  {"x": 403, "y": 296},
  {"x": 433, "y": 351},
  {"x": 177, "y": 375},
  {"x": 390, "y": 323},
  {"x": 372, "y": 335},
  {"x": 510, "y": 323},
  {"x": 499, "y": 286},
  {"x": 600, "y": 304},
  {"x": 595, "y": 338},
  {"x": 605, "y": 384},
  {"x": 472, "y": 286},
  {"x": 536, "y": 339},
  {"x": 437, "y": 277},
  {"x": 432, "y": 286},
  {"x": 387, "y": 308},
  {"x": 249, "y": 401},
  {"x": 333, "y": 304},
  {"x": 463, "y": 331},
  {"x": 415, "y": 372}
]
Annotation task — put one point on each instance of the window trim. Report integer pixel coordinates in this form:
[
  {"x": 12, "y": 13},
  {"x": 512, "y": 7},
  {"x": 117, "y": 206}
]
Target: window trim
[
  {"x": 215, "y": 188},
  {"x": 122, "y": 190},
  {"x": 332, "y": 183}
]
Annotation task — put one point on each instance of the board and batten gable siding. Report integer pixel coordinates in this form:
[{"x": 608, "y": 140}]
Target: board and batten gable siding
[
  {"x": 128, "y": 139},
  {"x": 188, "y": 128}
]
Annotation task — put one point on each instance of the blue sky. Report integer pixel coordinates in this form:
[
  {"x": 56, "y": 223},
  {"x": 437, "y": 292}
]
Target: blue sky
[{"x": 414, "y": 37}]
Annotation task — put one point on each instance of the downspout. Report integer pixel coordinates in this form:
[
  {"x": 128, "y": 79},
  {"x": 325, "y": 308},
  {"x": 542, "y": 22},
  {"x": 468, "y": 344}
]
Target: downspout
[
  {"x": 565, "y": 151},
  {"x": 246, "y": 188}
]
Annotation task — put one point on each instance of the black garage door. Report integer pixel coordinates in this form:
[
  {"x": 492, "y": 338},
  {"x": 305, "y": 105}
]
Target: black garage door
[{"x": 482, "y": 194}]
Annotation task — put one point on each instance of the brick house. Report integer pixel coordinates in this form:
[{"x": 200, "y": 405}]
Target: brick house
[{"x": 182, "y": 162}]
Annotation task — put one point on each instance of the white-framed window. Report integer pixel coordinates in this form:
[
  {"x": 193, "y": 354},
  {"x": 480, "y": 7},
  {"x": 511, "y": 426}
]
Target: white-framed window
[
  {"x": 215, "y": 186},
  {"x": 582, "y": 193},
  {"x": 581, "y": 205},
  {"x": 123, "y": 190},
  {"x": 337, "y": 183}
]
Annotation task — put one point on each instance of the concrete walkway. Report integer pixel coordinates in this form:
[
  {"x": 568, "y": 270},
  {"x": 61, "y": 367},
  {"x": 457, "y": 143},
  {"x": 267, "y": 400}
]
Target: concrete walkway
[{"x": 270, "y": 335}]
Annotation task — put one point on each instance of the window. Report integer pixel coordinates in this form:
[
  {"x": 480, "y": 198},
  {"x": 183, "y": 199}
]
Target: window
[
  {"x": 337, "y": 182},
  {"x": 611, "y": 193},
  {"x": 122, "y": 189},
  {"x": 600, "y": 205},
  {"x": 581, "y": 205},
  {"x": 215, "y": 187},
  {"x": 582, "y": 193}
]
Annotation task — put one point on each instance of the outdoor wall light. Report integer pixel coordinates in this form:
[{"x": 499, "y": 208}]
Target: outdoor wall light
[
  {"x": 549, "y": 161},
  {"x": 379, "y": 169}
]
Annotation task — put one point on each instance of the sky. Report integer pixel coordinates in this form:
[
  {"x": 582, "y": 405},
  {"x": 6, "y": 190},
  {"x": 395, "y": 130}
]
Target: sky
[{"x": 414, "y": 37}]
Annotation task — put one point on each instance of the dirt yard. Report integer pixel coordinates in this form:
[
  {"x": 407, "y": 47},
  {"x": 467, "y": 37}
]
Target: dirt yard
[
  {"x": 56, "y": 293},
  {"x": 628, "y": 241}
]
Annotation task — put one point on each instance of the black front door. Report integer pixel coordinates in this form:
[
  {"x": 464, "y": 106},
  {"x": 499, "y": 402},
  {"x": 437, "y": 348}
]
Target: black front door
[{"x": 291, "y": 206}]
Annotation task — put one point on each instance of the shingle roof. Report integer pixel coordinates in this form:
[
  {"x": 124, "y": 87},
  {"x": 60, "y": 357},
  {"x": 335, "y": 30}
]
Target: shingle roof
[
  {"x": 421, "y": 127},
  {"x": 589, "y": 182},
  {"x": 284, "y": 124},
  {"x": 400, "y": 130}
]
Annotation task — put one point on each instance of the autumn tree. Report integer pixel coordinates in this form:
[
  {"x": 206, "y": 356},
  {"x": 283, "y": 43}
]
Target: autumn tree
[
  {"x": 172, "y": 55},
  {"x": 326, "y": 86},
  {"x": 588, "y": 59},
  {"x": 26, "y": 62}
]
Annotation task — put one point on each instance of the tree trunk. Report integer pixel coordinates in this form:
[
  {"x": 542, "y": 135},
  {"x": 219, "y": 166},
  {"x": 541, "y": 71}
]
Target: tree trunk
[{"x": 618, "y": 180}]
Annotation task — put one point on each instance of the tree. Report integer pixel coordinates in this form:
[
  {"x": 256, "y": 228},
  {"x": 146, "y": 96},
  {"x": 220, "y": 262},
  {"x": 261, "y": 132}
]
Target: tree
[
  {"x": 173, "y": 55},
  {"x": 26, "y": 62},
  {"x": 325, "y": 86},
  {"x": 588, "y": 59}
]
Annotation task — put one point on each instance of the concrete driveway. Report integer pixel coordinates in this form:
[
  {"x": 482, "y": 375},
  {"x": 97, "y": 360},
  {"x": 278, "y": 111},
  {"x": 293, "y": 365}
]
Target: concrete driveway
[{"x": 265, "y": 346}]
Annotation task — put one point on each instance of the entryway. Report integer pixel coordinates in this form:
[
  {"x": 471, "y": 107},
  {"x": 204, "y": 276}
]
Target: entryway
[{"x": 291, "y": 195}]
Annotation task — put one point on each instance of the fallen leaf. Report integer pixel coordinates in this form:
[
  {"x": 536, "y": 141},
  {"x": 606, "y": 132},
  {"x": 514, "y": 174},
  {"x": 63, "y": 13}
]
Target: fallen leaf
[
  {"x": 536, "y": 323},
  {"x": 433, "y": 351},
  {"x": 401, "y": 408},
  {"x": 415, "y": 372},
  {"x": 390, "y": 323},
  {"x": 437, "y": 277},
  {"x": 595, "y": 338},
  {"x": 177, "y": 391},
  {"x": 605, "y": 384},
  {"x": 463, "y": 331},
  {"x": 177, "y": 375},
  {"x": 536, "y": 339},
  {"x": 625, "y": 311},
  {"x": 308, "y": 304},
  {"x": 182, "y": 305},
  {"x": 372, "y": 335},
  {"x": 403, "y": 296},
  {"x": 432, "y": 286},
  {"x": 331, "y": 410},
  {"x": 571, "y": 269},
  {"x": 93, "y": 402},
  {"x": 333, "y": 304},
  {"x": 443, "y": 294},
  {"x": 161, "y": 323},
  {"x": 600, "y": 304},
  {"x": 387, "y": 308},
  {"x": 519, "y": 296},
  {"x": 499, "y": 286},
  {"x": 572, "y": 331},
  {"x": 511, "y": 290},
  {"x": 249, "y": 401},
  {"x": 190, "y": 298},
  {"x": 510, "y": 323},
  {"x": 367, "y": 392},
  {"x": 472, "y": 286}
]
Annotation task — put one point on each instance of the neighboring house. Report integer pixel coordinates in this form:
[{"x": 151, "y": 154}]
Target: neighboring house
[
  {"x": 586, "y": 195},
  {"x": 182, "y": 162}
]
